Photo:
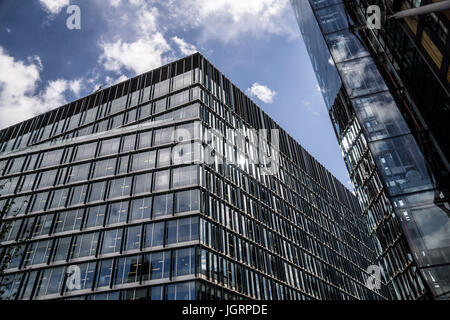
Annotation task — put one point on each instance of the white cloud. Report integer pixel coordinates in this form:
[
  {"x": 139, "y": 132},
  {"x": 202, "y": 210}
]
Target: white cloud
[
  {"x": 19, "y": 95},
  {"x": 54, "y": 6},
  {"x": 227, "y": 20},
  {"x": 144, "y": 53},
  {"x": 262, "y": 92},
  {"x": 185, "y": 48}
]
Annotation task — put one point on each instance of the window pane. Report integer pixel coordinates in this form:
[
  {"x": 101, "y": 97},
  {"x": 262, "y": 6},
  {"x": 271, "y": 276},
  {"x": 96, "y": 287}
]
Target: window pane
[
  {"x": 145, "y": 139},
  {"x": 133, "y": 241},
  {"x": 154, "y": 235},
  {"x": 84, "y": 245},
  {"x": 104, "y": 168},
  {"x": 162, "y": 180},
  {"x": 164, "y": 157},
  {"x": 104, "y": 272},
  {"x": 112, "y": 240},
  {"x": 117, "y": 212},
  {"x": 163, "y": 136},
  {"x": 183, "y": 262},
  {"x": 62, "y": 249},
  {"x": 95, "y": 216},
  {"x": 141, "y": 209},
  {"x": 128, "y": 143},
  {"x": 162, "y": 205},
  {"x": 127, "y": 270},
  {"x": 119, "y": 187},
  {"x": 68, "y": 221},
  {"x": 185, "y": 176},
  {"x": 143, "y": 161},
  {"x": 78, "y": 195},
  {"x": 97, "y": 191},
  {"x": 78, "y": 173},
  {"x": 86, "y": 151},
  {"x": 142, "y": 183},
  {"x": 187, "y": 201}
]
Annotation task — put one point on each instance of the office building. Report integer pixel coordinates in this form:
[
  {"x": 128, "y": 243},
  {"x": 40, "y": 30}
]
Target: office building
[
  {"x": 386, "y": 91},
  {"x": 174, "y": 185}
]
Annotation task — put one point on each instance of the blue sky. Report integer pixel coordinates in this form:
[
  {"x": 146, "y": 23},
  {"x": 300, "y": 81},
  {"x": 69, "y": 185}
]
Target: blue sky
[{"x": 256, "y": 43}]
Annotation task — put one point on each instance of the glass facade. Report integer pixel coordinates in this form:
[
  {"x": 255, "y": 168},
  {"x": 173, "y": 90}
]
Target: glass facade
[
  {"x": 150, "y": 190},
  {"x": 395, "y": 179}
]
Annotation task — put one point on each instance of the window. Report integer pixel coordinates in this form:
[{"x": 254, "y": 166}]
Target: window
[
  {"x": 39, "y": 201},
  {"x": 156, "y": 266},
  {"x": 186, "y": 132},
  {"x": 164, "y": 157},
  {"x": 142, "y": 183},
  {"x": 127, "y": 270},
  {"x": 51, "y": 158},
  {"x": 97, "y": 191},
  {"x": 162, "y": 179},
  {"x": 119, "y": 187},
  {"x": 86, "y": 151},
  {"x": 78, "y": 173},
  {"x": 117, "y": 212},
  {"x": 8, "y": 186},
  {"x": 156, "y": 293},
  {"x": 95, "y": 216},
  {"x": 26, "y": 183},
  {"x": 333, "y": 18},
  {"x": 43, "y": 225},
  {"x": 78, "y": 195},
  {"x": 160, "y": 105},
  {"x": 47, "y": 179},
  {"x": 68, "y": 221},
  {"x": 187, "y": 201},
  {"x": 145, "y": 139},
  {"x": 154, "y": 234},
  {"x": 183, "y": 262},
  {"x": 50, "y": 281},
  {"x": 128, "y": 143},
  {"x": 361, "y": 77},
  {"x": 38, "y": 252},
  {"x": 124, "y": 162},
  {"x": 112, "y": 240},
  {"x": 182, "y": 230},
  {"x": 110, "y": 146},
  {"x": 143, "y": 161},
  {"x": 181, "y": 81},
  {"x": 59, "y": 198},
  {"x": 141, "y": 209},
  {"x": 179, "y": 98},
  {"x": 104, "y": 168},
  {"x": 162, "y": 205},
  {"x": 161, "y": 88},
  {"x": 187, "y": 112},
  {"x": 17, "y": 205},
  {"x": 164, "y": 136},
  {"x": 84, "y": 245},
  {"x": 116, "y": 122},
  {"x": 181, "y": 291},
  {"x": 133, "y": 240},
  {"x": 61, "y": 249},
  {"x": 104, "y": 272},
  {"x": 185, "y": 176},
  {"x": 145, "y": 111}
]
